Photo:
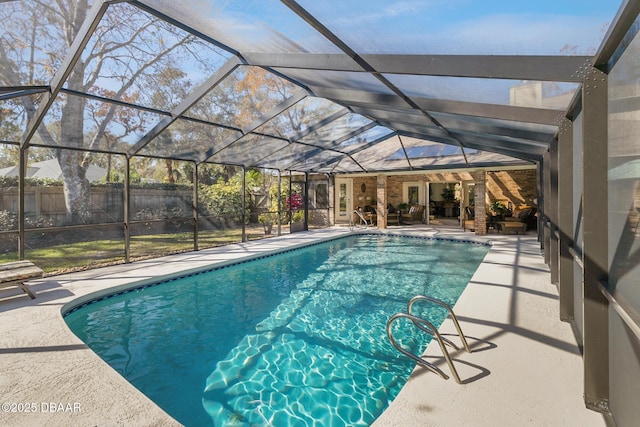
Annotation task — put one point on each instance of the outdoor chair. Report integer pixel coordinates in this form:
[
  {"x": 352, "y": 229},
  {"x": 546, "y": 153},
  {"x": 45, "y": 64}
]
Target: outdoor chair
[
  {"x": 469, "y": 222},
  {"x": 520, "y": 221},
  {"x": 17, "y": 272},
  {"x": 414, "y": 215},
  {"x": 370, "y": 215}
]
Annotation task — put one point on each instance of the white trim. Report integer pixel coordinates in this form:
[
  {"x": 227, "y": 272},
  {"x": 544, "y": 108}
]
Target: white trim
[
  {"x": 405, "y": 191},
  {"x": 348, "y": 182}
]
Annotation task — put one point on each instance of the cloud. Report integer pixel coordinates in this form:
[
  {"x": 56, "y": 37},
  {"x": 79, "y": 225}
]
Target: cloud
[
  {"x": 496, "y": 34},
  {"x": 381, "y": 11},
  {"x": 527, "y": 34}
]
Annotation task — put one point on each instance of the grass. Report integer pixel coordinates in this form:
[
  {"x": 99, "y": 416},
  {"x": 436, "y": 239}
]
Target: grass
[{"x": 91, "y": 254}]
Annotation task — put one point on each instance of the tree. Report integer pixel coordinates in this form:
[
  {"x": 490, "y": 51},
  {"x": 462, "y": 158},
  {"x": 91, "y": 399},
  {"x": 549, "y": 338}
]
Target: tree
[
  {"x": 126, "y": 53},
  {"x": 135, "y": 58}
]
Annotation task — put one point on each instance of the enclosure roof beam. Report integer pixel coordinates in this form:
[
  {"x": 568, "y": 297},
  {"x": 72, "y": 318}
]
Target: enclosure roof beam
[
  {"x": 529, "y": 157},
  {"x": 20, "y": 91},
  {"x": 494, "y": 111},
  {"x": 324, "y": 122},
  {"x": 322, "y": 29},
  {"x": 361, "y": 148},
  {"x": 94, "y": 15},
  {"x": 514, "y": 148},
  {"x": 153, "y": 8},
  {"x": 114, "y": 101},
  {"x": 213, "y": 81},
  {"x": 394, "y": 119},
  {"x": 622, "y": 22},
  {"x": 498, "y": 148},
  {"x": 287, "y": 103},
  {"x": 319, "y": 148},
  {"x": 507, "y": 147},
  {"x": 355, "y": 133},
  {"x": 523, "y": 144},
  {"x": 514, "y": 67}
]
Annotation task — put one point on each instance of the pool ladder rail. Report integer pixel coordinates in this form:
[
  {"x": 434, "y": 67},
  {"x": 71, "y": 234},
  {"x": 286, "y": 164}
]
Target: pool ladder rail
[
  {"x": 363, "y": 222},
  {"x": 429, "y": 328}
]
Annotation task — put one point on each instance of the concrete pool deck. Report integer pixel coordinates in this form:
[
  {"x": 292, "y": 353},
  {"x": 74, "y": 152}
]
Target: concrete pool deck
[{"x": 525, "y": 368}]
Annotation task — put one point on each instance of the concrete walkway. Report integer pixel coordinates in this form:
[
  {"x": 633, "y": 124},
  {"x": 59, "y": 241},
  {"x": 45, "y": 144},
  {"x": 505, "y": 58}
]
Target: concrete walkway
[{"x": 525, "y": 369}]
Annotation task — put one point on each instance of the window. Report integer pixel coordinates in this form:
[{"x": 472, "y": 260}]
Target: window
[{"x": 320, "y": 196}]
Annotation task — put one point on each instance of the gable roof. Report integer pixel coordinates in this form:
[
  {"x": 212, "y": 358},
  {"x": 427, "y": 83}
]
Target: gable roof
[{"x": 50, "y": 169}]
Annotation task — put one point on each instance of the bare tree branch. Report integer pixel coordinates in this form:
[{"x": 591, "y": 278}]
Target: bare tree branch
[
  {"x": 102, "y": 55},
  {"x": 109, "y": 116}
]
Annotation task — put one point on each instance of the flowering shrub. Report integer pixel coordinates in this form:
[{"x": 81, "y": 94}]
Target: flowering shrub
[{"x": 294, "y": 202}]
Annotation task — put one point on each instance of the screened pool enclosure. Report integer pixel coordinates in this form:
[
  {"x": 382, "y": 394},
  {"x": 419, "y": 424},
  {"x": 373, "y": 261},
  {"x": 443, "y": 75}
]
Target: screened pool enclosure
[
  {"x": 171, "y": 126},
  {"x": 138, "y": 128}
]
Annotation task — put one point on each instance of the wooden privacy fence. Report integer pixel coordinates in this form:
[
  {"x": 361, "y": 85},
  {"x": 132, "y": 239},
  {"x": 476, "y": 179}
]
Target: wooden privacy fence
[{"x": 107, "y": 203}]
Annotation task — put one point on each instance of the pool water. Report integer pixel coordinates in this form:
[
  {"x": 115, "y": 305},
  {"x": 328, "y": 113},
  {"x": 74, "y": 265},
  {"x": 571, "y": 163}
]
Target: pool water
[{"x": 296, "y": 339}]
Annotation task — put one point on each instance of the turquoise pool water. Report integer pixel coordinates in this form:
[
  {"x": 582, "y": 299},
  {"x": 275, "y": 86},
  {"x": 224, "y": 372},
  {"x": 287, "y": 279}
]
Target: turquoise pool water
[{"x": 296, "y": 339}]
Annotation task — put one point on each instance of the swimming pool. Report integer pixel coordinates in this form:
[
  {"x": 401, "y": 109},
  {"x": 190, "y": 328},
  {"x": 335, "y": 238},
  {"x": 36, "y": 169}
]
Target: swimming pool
[{"x": 293, "y": 339}]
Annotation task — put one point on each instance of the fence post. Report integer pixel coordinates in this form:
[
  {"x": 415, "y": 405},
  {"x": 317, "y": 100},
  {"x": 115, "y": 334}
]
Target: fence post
[
  {"x": 279, "y": 202},
  {"x": 126, "y": 213},
  {"x": 306, "y": 201},
  {"x": 194, "y": 204},
  {"x": 22, "y": 172},
  {"x": 243, "y": 203}
]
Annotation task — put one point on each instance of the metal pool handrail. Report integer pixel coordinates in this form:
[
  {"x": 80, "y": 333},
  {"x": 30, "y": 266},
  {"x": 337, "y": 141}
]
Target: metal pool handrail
[
  {"x": 419, "y": 360},
  {"x": 449, "y": 309},
  {"x": 351, "y": 224}
]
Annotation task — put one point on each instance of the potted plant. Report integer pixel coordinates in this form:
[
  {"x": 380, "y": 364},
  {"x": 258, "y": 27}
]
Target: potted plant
[
  {"x": 498, "y": 208},
  {"x": 403, "y": 207},
  {"x": 448, "y": 194}
]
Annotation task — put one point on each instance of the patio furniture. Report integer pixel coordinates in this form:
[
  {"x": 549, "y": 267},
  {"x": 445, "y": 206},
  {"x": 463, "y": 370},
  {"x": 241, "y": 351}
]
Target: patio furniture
[
  {"x": 393, "y": 218},
  {"x": 523, "y": 219},
  {"x": 370, "y": 214},
  {"x": 393, "y": 215},
  {"x": 17, "y": 272},
  {"x": 414, "y": 215},
  {"x": 469, "y": 223},
  {"x": 527, "y": 215},
  {"x": 448, "y": 209},
  {"x": 509, "y": 227}
]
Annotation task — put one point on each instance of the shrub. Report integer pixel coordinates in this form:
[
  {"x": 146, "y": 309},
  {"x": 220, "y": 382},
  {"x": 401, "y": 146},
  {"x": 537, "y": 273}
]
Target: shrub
[{"x": 8, "y": 221}]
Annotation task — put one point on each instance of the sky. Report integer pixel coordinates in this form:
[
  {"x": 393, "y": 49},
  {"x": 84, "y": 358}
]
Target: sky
[
  {"x": 468, "y": 26},
  {"x": 542, "y": 27}
]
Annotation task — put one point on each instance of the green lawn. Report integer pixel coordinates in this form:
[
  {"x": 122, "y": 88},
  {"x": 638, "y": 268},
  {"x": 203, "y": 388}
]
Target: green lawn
[{"x": 91, "y": 254}]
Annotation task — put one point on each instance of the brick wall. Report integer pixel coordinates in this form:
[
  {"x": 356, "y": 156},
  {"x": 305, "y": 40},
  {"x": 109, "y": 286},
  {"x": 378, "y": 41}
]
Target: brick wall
[
  {"x": 480, "y": 208},
  {"x": 517, "y": 187},
  {"x": 382, "y": 193},
  {"x": 394, "y": 183},
  {"x": 369, "y": 195}
]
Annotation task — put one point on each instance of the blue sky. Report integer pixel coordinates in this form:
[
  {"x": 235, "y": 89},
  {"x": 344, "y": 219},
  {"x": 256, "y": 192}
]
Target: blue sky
[
  {"x": 468, "y": 26},
  {"x": 425, "y": 26}
]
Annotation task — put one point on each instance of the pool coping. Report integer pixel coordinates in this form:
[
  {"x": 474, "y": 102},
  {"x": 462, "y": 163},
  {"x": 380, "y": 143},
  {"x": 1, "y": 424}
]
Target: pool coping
[{"x": 54, "y": 376}]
